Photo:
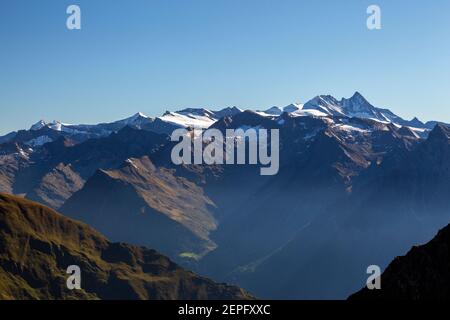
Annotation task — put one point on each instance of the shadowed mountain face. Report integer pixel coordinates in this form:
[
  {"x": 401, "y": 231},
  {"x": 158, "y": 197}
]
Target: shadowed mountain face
[
  {"x": 357, "y": 185},
  {"x": 395, "y": 203},
  {"x": 37, "y": 245},
  {"x": 422, "y": 274},
  {"x": 293, "y": 222},
  {"x": 142, "y": 204}
]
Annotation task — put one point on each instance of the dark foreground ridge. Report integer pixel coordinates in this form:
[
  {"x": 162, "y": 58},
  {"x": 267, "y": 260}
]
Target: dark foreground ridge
[
  {"x": 422, "y": 274},
  {"x": 37, "y": 245}
]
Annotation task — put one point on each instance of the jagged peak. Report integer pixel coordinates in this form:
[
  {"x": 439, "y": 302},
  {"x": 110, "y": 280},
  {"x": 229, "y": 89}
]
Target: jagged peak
[
  {"x": 415, "y": 122},
  {"x": 440, "y": 133},
  {"x": 140, "y": 115},
  {"x": 38, "y": 125},
  {"x": 233, "y": 108},
  {"x": 357, "y": 101},
  {"x": 136, "y": 119},
  {"x": 357, "y": 95}
]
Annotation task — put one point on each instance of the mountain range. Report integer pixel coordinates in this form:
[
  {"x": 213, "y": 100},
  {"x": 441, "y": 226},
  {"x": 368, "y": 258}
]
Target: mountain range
[
  {"x": 324, "y": 105},
  {"x": 357, "y": 185}
]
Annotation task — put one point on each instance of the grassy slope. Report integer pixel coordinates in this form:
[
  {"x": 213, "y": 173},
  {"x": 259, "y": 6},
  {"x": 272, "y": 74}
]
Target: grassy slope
[{"x": 37, "y": 244}]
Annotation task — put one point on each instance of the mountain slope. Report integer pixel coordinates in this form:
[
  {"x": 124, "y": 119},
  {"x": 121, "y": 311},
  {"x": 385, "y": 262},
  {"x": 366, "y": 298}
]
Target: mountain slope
[
  {"x": 37, "y": 245},
  {"x": 142, "y": 204},
  {"x": 12, "y": 160},
  {"x": 422, "y": 274},
  {"x": 320, "y": 161}
]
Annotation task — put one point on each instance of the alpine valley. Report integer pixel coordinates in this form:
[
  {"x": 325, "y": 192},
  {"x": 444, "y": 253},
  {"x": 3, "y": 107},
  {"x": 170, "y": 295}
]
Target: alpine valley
[{"x": 357, "y": 185}]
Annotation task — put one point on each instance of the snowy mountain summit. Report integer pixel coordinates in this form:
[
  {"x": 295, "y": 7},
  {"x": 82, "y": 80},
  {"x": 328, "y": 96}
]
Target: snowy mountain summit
[{"x": 356, "y": 106}]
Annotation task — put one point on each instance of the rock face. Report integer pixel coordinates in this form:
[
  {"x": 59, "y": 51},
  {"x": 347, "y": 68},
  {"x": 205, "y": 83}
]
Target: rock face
[
  {"x": 37, "y": 245},
  {"x": 422, "y": 274}
]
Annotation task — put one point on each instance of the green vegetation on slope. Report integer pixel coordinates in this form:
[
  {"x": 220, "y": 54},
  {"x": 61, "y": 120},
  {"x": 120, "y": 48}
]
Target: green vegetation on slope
[{"x": 37, "y": 245}]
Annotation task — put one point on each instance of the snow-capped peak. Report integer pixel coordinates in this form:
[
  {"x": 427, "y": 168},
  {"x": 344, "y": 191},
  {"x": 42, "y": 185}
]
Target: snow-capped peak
[
  {"x": 38, "y": 125},
  {"x": 356, "y": 106},
  {"x": 195, "y": 118},
  {"x": 138, "y": 116},
  {"x": 293, "y": 107},
  {"x": 39, "y": 141},
  {"x": 326, "y": 104},
  {"x": 141, "y": 115},
  {"x": 55, "y": 125},
  {"x": 135, "y": 120}
]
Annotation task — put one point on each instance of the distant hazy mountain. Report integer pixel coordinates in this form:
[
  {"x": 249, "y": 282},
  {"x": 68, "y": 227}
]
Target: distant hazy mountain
[{"x": 38, "y": 245}]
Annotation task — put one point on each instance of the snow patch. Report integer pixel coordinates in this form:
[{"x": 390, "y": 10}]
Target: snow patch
[
  {"x": 188, "y": 120},
  {"x": 39, "y": 141}
]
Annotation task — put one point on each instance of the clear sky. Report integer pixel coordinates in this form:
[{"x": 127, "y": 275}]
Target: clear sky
[{"x": 157, "y": 55}]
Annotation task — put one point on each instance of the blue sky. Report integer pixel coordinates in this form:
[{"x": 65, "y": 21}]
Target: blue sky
[{"x": 157, "y": 55}]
